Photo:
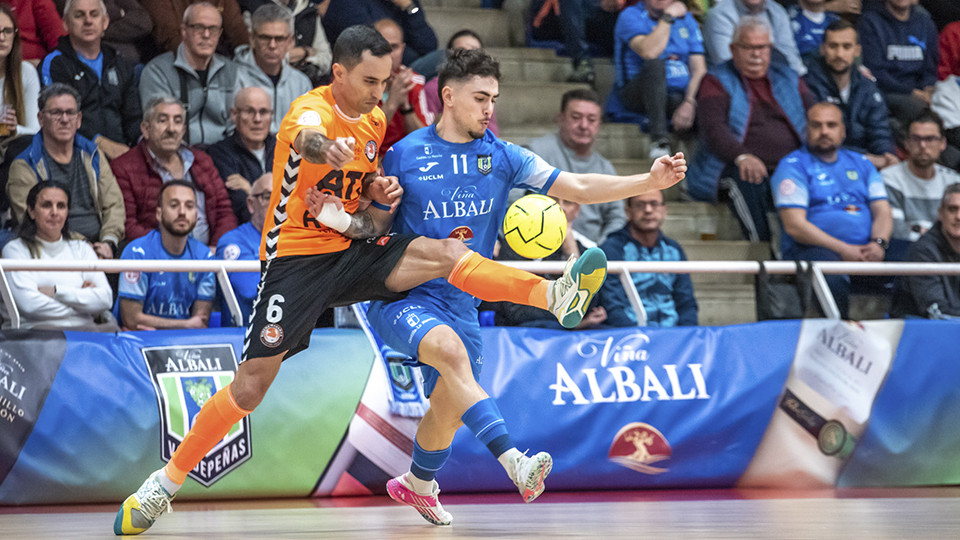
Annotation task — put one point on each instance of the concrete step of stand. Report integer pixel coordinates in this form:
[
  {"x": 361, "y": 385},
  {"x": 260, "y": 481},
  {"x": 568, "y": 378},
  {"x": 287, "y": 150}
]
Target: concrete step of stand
[
  {"x": 726, "y": 304},
  {"x": 616, "y": 142},
  {"x": 492, "y": 25}
]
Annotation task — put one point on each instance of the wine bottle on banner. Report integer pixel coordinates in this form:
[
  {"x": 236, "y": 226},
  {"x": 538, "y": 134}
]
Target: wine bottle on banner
[{"x": 837, "y": 371}]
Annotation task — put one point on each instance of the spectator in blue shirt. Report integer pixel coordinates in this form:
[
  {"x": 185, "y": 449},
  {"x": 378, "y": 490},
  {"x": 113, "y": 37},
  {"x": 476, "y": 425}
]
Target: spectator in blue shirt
[
  {"x": 901, "y": 48},
  {"x": 832, "y": 76},
  {"x": 667, "y": 298},
  {"x": 156, "y": 300},
  {"x": 809, "y": 19},
  {"x": 243, "y": 244},
  {"x": 659, "y": 62},
  {"x": 832, "y": 201}
]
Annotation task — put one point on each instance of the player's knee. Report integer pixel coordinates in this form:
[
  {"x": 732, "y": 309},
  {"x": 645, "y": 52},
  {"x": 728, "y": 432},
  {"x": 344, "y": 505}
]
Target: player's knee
[
  {"x": 452, "y": 251},
  {"x": 444, "y": 353},
  {"x": 248, "y": 391}
]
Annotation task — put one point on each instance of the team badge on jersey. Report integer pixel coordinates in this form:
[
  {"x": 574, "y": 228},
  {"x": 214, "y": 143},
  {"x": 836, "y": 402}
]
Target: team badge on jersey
[
  {"x": 271, "y": 335},
  {"x": 484, "y": 163},
  {"x": 131, "y": 277},
  {"x": 370, "y": 150},
  {"x": 462, "y": 233},
  {"x": 852, "y": 175},
  {"x": 231, "y": 252}
]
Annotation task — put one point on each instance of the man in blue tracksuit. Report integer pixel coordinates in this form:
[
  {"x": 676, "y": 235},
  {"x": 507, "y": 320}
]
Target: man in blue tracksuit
[{"x": 667, "y": 298}]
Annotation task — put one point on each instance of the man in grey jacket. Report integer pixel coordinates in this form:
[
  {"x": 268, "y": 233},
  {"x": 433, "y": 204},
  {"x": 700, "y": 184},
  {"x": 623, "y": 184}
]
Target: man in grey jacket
[
  {"x": 264, "y": 63},
  {"x": 723, "y": 18},
  {"x": 199, "y": 78},
  {"x": 571, "y": 148}
]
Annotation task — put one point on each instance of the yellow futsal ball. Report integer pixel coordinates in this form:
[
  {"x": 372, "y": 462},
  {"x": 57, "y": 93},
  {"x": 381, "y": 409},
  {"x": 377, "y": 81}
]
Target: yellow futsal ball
[{"x": 535, "y": 226}]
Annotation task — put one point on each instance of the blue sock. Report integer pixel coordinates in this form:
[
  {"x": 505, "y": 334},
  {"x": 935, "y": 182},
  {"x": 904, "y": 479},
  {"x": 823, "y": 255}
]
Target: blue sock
[
  {"x": 426, "y": 464},
  {"x": 486, "y": 423}
]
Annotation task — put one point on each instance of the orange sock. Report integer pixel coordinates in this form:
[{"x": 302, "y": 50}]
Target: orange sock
[
  {"x": 494, "y": 282},
  {"x": 217, "y": 416}
]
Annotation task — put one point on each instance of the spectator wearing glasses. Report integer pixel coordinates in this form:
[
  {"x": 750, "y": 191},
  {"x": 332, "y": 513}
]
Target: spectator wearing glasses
[
  {"x": 108, "y": 93},
  {"x": 264, "y": 62},
  {"x": 916, "y": 185},
  {"x": 162, "y": 157},
  {"x": 667, "y": 299},
  {"x": 168, "y": 31},
  {"x": 311, "y": 52},
  {"x": 201, "y": 79},
  {"x": 248, "y": 153},
  {"x": 19, "y": 82},
  {"x": 61, "y": 154},
  {"x": 243, "y": 244}
]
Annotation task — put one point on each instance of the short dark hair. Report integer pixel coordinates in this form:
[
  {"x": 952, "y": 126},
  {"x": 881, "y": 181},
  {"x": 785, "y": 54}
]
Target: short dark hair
[
  {"x": 579, "y": 94},
  {"x": 460, "y": 34},
  {"x": 55, "y": 90},
  {"x": 349, "y": 47},
  {"x": 840, "y": 25},
  {"x": 462, "y": 64},
  {"x": 927, "y": 117},
  {"x": 170, "y": 184},
  {"x": 952, "y": 189}
]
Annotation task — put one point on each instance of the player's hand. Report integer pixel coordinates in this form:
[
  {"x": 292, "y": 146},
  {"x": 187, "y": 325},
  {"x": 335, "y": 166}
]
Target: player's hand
[
  {"x": 667, "y": 171},
  {"x": 751, "y": 169},
  {"x": 315, "y": 200},
  {"x": 386, "y": 190},
  {"x": 339, "y": 152}
]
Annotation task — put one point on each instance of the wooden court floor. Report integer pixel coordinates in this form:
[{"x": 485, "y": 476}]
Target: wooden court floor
[{"x": 926, "y": 513}]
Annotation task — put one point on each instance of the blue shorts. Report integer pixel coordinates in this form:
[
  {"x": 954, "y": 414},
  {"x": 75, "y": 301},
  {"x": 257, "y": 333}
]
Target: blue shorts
[{"x": 402, "y": 325}]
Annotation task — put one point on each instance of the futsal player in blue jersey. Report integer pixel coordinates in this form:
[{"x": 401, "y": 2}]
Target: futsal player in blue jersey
[
  {"x": 455, "y": 178},
  {"x": 154, "y": 300},
  {"x": 832, "y": 201}
]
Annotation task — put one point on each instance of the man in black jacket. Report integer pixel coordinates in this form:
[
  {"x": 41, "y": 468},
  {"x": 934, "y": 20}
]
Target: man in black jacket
[
  {"x": 108, "y": 93},
  {"x": 934, "y": 296},
  {"x": 832, "y": 76}
]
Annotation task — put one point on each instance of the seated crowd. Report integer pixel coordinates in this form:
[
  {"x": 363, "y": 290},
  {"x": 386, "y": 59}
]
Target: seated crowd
[{"x": 830, "y": 128}]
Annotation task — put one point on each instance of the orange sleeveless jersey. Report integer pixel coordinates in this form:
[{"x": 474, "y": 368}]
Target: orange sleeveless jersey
[{"x": 289, "y": 228}]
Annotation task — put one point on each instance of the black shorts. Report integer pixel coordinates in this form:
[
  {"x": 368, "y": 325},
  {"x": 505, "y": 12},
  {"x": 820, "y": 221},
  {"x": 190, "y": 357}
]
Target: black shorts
[{"x": 296, "y": 289}]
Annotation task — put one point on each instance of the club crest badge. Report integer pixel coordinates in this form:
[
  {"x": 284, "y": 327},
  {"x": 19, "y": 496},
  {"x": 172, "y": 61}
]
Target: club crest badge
[
  {"x": 485, "y": 163},
  {"x": 184, "y": 378},
  {"x": 370, "y": 151},
  {"x": 637, "y": 446}
]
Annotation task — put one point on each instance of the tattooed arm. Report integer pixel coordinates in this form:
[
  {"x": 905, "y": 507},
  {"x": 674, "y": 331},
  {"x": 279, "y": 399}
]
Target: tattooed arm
[
  {"x": 315, "y": 148},
  {"x": 328, "y": 210}
]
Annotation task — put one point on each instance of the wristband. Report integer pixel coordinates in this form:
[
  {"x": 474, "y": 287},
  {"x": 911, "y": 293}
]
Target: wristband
[
  {"x": 379, "y": 206},
  {"x": 335, "y": 218}
]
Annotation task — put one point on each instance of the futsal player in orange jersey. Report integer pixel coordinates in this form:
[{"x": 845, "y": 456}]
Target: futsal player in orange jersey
[{"x": 330, "y": 139}]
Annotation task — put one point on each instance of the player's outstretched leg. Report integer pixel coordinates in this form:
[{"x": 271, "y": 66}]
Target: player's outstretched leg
[
  {"x": 418, "y": 488},
  {"x": 569, "y": 297},
  {"x": 215, "y": 419}
]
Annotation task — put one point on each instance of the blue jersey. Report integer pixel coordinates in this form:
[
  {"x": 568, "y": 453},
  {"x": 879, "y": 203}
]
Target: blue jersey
[
  {"x": 165, "y": 294},
  {"x": 685, "y": 40},
  {"x": 241, "y": 244},
  {"x": 836, "y": 195},
  {"x": 459, "y": 190},
  {"x": 808, "y": 33}
]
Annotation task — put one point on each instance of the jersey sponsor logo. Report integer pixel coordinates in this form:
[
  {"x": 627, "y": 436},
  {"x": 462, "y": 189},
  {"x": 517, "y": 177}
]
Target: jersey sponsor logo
[
  {"x": 484, "y": 163},
  {"x": 429, "y": 166},
  {"x": 370, "y": 150},
  {"x": 457, "y": 209},
  {"x": 429, "y": 177},
  {"x": 184, "y": 378},
  {"x": 231, "y": 252},
  {"x": 271, "y": 335},
  {"x": 462, "y": 233},
  {"x": 310, "y": 118},
  {"x": 131, "y": 277},
  {"x": 637, "y": 446},
  {"x": 788, "y": 187},
  {"x": 852, "y": 209}
]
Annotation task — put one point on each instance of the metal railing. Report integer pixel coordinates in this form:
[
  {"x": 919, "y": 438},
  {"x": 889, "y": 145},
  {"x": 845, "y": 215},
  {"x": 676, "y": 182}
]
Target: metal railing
[{"x": 624, "y": 270}]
